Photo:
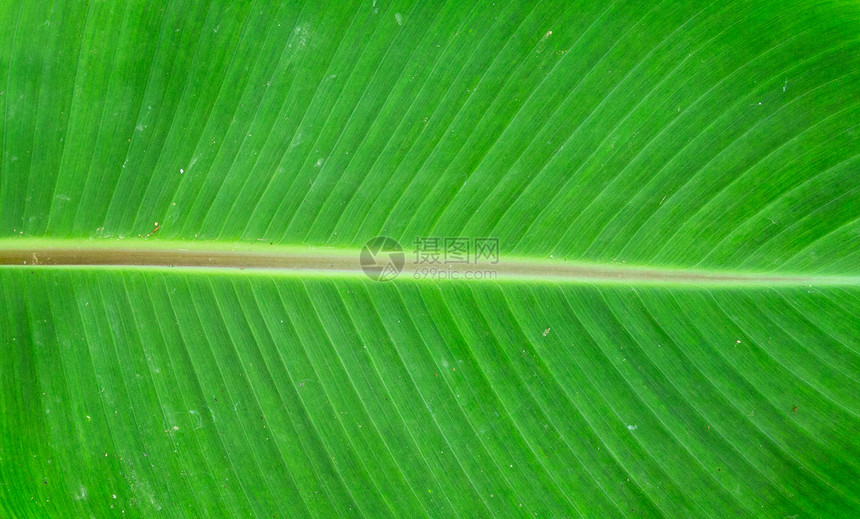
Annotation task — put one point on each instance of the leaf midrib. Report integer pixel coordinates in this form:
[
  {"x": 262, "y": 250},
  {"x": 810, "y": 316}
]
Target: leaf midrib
[{"x": 209, "y": 256}]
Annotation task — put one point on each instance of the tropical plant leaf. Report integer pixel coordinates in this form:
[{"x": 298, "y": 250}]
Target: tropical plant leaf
[{"x": 671, "y": 328}]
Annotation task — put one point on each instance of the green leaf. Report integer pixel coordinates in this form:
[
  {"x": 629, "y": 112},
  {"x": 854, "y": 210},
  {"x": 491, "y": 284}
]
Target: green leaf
[{"x": 671, "y": 328}]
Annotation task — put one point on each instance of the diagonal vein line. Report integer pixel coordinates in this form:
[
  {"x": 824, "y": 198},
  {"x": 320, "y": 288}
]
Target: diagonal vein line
[
  {"x": 814, "y": 178},
  {"x": 140, "y": 112},
  {"x": 199, "y": 387},
  {"x": 784, "y": 450},
  {"x": 619, "y": 176},
  {"x": 31, "y": 324},
  {"x": 824, "y": 393},
  {"x": 433, "y": 187},
  {"x": 285, "y": 61},
  {"x": 554, "y": 380},
  {"x": 111, "y": 352},
  {"x": 400, "y": 125},
  {"x": 573, "y": 90},
  {"x": 249, "y": 381},
  {"x": 824, "y": 236},
  {"x": 72, "y": 112},
  {"x": 288, "y": 223},
  {"x": 463, "y": 70},
  {"x": 728, "y": 148},
  {"x": 209, "y": 202},
  {"x": 305, "y": 115},
  {"x": 378, "y": 494},
  {"x": 829, "y": 362},
  {"x": 354, "y": 323},
  {"x": 790, "y": 302},
  {"x": 697, "y": 410},
  {"x": 137, "y": 317},
  {"x": 403, "y": 305},
  {"x": 581, "y": 124},
  {"x": 194, "y": 58},
  {"x": 105, "y": 105},
  {"x": 703, "y": 131},
  {"x": 303, "y": 405},
  {"x": 482, "y": 376},
  {"x": 593, "y": 343},
  {"x": 196, "y": 292},
  {"x": 236, "y": 50},
  {"x": 590, "y": 421},
  {"x": 294, "y": 185},
  {"x": 618, "y": 324},
  {"x": 450, "y": 391},
  {"x": 528, "y": 439},
  {"x": 493, "y": 105},
  {"x": 88, "y": 353},
  {"x": 319, "y": 318},
  {"x": 8, "y": 82}
]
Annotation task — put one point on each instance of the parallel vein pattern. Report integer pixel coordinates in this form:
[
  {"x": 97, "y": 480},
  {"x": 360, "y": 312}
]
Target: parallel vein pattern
[
  {"x": 680, "y": 134},
  {"x": 301, "y": 396},
  {"x": 677, "y": 137}
]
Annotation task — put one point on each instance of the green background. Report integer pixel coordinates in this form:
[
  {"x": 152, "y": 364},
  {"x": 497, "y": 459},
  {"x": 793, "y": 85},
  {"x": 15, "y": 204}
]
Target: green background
[{"x": 672, "y": 135}]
